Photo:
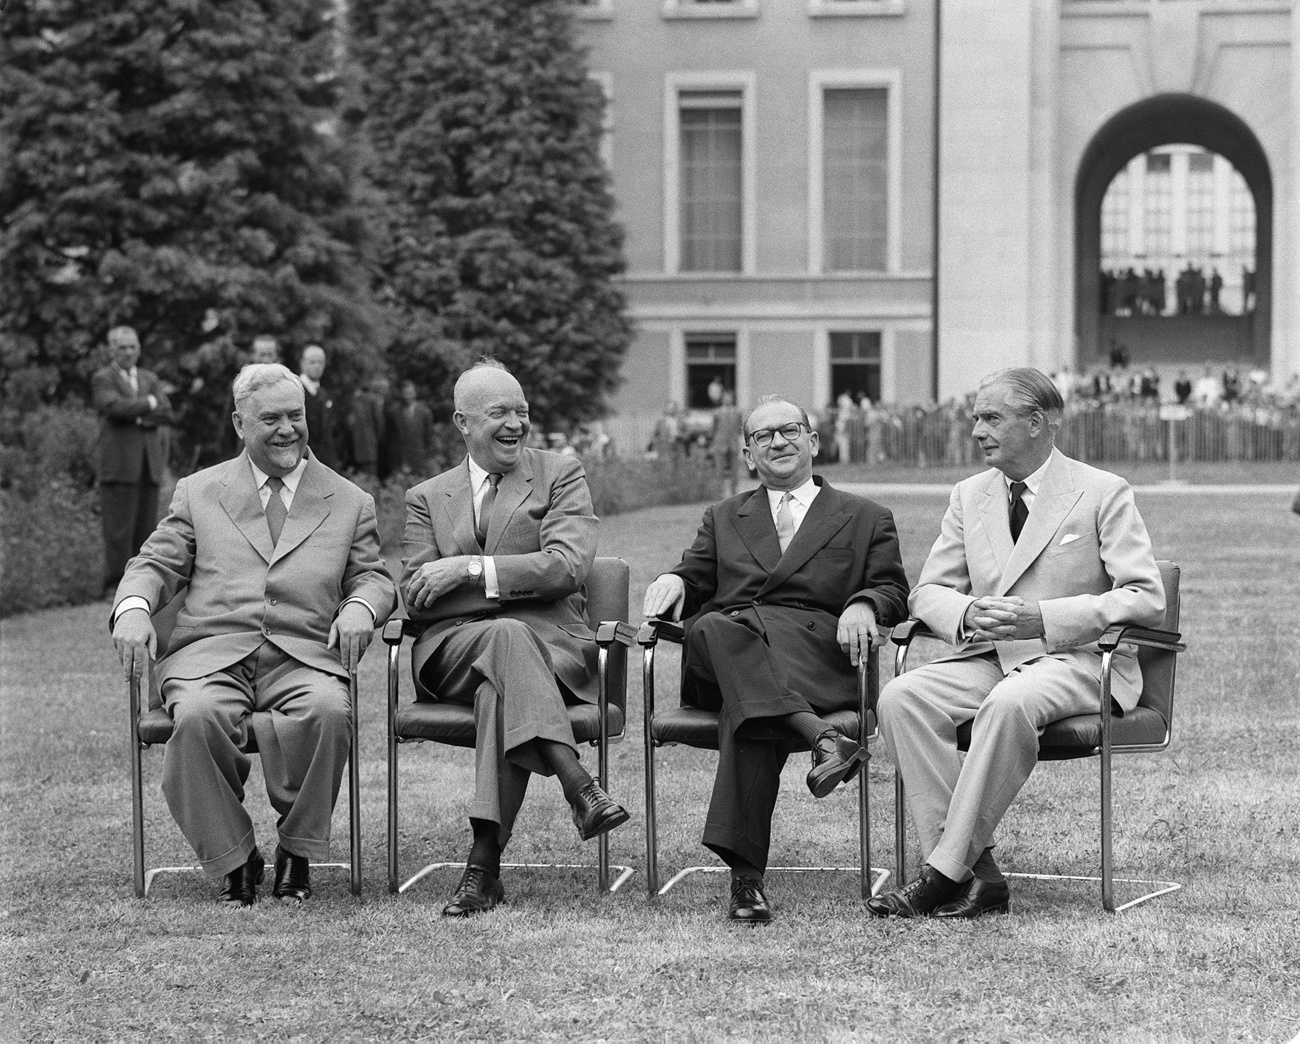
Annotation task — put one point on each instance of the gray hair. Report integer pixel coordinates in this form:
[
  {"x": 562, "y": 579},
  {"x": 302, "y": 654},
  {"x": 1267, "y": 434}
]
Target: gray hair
[
  {"x": 256, "y": 376},
  {"x": 767, "y": 400},
  {"x": 1028, "y": 390}
]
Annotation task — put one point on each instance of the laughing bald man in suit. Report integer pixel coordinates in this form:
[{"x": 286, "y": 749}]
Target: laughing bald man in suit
[{"x": 1035, "y": 559}]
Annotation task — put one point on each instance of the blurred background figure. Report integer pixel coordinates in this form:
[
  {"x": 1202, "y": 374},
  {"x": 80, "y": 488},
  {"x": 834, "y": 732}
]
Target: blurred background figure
[
  {"x": 368, "y": 426},
  {"x": 410, "y": 433},
  {"x": 322, "y": 423}
]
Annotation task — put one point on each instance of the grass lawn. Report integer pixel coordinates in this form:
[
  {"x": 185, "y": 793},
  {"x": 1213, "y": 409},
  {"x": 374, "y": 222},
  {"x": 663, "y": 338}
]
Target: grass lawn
[{"x": 1220, "y": 812}]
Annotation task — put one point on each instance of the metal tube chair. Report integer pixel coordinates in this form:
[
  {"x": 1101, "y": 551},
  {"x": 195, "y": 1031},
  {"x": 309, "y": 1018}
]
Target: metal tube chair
[
  {"x": 453, "y": 723},
  {"x": 154, "y": 726},
  {"x": 1148, "y": 728},
  {"x": 699, "y": 728}
]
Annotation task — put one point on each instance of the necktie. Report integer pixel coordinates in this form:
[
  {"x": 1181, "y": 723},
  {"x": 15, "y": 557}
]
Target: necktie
[
  {"x": 485, "y": 509},
  {"x": 276, "y": 512},
  {"x": 784, "y": 522},
  {"x": 1019, "y": 511}
]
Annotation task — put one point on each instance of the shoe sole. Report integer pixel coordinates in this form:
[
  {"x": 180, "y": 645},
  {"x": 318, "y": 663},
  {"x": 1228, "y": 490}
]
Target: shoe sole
[
  {"x": 1001, "y": 908},
  {"x": 447, "y": 910}
]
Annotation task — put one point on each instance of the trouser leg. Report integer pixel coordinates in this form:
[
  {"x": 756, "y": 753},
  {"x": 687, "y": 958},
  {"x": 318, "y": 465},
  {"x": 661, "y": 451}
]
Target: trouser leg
[
  {"x": 745, "y": 788},
  {"x": 145, "y": 518},
  {"x": 1003, "y": 753},
  {"x": 304, "y": 734},
  {"x": 118, "y": 503},
  {"x": 499, "y": 783},
  {"x": 204, "y": 768}
]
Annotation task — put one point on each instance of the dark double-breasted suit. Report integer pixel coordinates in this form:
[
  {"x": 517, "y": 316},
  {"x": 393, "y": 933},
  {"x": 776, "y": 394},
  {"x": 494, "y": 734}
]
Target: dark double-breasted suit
[
  {"x": 761, "y": 635},
  {"x": 505, "y": 655}
]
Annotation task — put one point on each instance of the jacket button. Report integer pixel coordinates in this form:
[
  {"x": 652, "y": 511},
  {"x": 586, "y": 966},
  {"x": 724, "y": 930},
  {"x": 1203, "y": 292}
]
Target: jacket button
[
  {"x": 812, "y": 626},
  {"x": 758, "y": 601},
  {"x": 274, "y": 602},
  {"x": 266, "y": 631},
  {"x": 735, "y": 612}
]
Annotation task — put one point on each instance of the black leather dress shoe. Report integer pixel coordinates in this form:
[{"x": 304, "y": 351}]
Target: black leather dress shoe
[
  {"x": 292, "y": 876},
  {"x": 748, "y": 903},
  {"x": 834, "y": 759},
  {"x": 479, "y": 891},
  {"x": 241, "y": 884},
  {"x": 919, "y": 899},
  {"x": 596, "y": 813},
  {"x": 977, "y": 898}
]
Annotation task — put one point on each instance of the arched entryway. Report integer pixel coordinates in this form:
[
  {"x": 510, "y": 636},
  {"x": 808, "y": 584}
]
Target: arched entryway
[{"x": 1164, "y": 120}]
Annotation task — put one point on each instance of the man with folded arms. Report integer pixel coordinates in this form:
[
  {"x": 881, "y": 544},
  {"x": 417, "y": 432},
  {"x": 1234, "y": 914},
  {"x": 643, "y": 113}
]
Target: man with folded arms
[
  {"x": 276, "y": 559},
  {"x": 1036, "y": 558},
  {"x": 787, "y": 588},
  {"x": 495, "y": 556}
]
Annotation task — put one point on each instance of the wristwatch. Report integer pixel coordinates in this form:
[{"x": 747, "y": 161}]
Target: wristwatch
[{"x": 476, "y": 569}]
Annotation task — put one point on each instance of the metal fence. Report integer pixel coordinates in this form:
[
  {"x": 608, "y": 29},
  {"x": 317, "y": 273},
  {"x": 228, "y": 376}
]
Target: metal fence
[{"x": 1097, "y": 432}]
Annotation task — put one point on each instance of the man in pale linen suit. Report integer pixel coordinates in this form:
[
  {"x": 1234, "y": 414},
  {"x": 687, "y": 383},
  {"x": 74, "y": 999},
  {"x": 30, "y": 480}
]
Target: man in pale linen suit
[
  {"x": 1024, "y": 612},
  {"x": 278, "y": 561}
]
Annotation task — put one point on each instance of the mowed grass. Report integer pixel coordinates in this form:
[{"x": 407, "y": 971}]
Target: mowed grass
[{"x": 1220, "y": 812}]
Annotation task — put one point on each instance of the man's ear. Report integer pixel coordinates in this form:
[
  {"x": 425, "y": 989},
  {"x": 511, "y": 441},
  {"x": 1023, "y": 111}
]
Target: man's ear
[
  {"x": 749, "y": 459},
  {"x": 462, "y": 425},
  {"x": 238, "y": 422},
  {"x": 814, "y": 443}
]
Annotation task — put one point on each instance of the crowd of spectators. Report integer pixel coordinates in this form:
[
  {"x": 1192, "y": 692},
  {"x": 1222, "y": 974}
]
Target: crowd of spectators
[{"x": 1196, "y": 292}]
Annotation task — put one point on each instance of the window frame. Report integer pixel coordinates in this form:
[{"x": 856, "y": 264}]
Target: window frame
[
  {"x": 820, "y": 81},
  {"x": 674, "y": 9},
  {"x": 675, "y": 84}
]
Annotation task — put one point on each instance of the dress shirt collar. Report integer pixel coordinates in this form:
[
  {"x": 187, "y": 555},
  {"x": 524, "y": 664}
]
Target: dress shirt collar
[
  {"x": 477, "y": 476},
  {"x": 290, "y": 480},
  {"x": 1032, "y": 482},
  {"x": 804, "y": 494}
]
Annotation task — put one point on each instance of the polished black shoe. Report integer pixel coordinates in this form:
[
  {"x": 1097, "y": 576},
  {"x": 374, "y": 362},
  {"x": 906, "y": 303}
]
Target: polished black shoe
[
  {"x": 919, "y": 899},
  {"x": 595, "y": 812},
  {"x": 748, "y": 903},
  {"x": 292, "y": 876},
  {"x": 976, "y": 899},
  {"x": 479, "y": 891},
  {"x": 834, "y": 759},
  {"x": 240, "y": 889}
]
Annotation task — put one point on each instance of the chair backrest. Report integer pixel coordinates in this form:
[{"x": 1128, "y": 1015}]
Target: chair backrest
[
  {"x": 1157, "y": 664},
  {"x": 607, "y": 595}
]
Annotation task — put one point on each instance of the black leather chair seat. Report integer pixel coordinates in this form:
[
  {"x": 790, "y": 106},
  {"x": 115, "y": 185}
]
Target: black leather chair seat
[
  {"x": 1080, "y": 736},
  {"x": 155, "y": 727},
  {"x": 453, "y": 723},
  {"x": 699, "y": 728}
]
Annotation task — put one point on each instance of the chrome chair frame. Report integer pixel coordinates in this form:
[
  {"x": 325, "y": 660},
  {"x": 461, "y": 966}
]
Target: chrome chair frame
[
  {"x": 648, "y": 637},
  {"x": 1169, "y": 641},
  {"x": 157, "y": 718},
  {"x": 608, "y": 634}
]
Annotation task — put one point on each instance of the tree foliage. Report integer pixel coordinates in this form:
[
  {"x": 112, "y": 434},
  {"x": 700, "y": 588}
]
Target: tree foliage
[
  {"x": 171, "y": 164},
  {"x": 499, "y": 239}
]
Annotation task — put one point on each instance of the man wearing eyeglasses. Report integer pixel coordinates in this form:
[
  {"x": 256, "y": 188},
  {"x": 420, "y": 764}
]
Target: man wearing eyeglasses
[{"x": 785, "y": 589}]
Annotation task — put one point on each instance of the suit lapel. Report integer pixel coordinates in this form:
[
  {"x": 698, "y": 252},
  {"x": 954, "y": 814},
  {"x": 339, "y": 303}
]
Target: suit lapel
[
  {"x": 823, "y": 520},
  {"x": 244, "y": 506},
  {"x": 310, "y": 508},
  {"x": 1053, "y": 501},
  {"x": 992, "y": 505},
  {"x": 458, "y": 507},
  {"x": 753, "y": 523},
  {"x": 512, "y": 491}
]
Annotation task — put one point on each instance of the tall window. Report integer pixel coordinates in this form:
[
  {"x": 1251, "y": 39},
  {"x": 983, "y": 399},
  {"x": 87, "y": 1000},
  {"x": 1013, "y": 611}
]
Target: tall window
[
  {"x": 855, "y": 179},
  {"x": 855, "y": 364},
  {"x": 710, "y": 368},
  {"x": 1200, "y": 204},
  {"x": 1158, "y": 210},
  {"x": 711, "y": 193},
  {"x": 1115, "y": 246}
]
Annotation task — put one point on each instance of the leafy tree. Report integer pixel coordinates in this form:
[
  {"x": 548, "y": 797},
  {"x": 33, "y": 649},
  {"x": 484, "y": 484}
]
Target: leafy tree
[
  {"x": 499, "y": 237},
  {"x": 172, "y": 164}
]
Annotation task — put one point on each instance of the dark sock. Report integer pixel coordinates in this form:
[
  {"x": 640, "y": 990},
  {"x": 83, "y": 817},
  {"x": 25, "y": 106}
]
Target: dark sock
[
  {"x": 944, "y": 882},
  {"x": 486, "y": 849},
  {"x": 741, "y": 870},
  {"x": 986, "y": 869},
  {"x": 807, "y": 725},
  {"x": 563, "y": 761}
]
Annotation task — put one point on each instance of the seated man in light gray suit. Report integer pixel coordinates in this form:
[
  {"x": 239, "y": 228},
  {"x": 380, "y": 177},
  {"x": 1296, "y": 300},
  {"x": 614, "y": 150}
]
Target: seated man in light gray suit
[
  {"x": 1035, "y": 559},
  {"x": 495, "y": 555},
  {"x": 278, "y": 559}
]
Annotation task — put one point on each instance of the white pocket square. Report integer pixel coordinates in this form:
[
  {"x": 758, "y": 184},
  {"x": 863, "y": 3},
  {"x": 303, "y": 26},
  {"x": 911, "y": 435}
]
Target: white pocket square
[{"x": 1069, "y": 538}]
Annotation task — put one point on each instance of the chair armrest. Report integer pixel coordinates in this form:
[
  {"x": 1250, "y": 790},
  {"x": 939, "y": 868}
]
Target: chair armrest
[
  {"x": 610, "y": 631},
  {"x": 652, "y": 630},
  {"x": 1123, "y": 634},
  {"x": 903, "y": 633},
  {"x": 393, "y": 631}
]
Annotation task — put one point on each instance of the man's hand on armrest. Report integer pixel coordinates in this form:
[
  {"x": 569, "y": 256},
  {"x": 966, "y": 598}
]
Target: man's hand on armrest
[
  {"x": 351, "y": 633},
  {"x": 434, "y": 579},
  {"x": 135, "y": 640},
  {"x": 665, "y": 597},
  {"x": 857, "y": 631}
]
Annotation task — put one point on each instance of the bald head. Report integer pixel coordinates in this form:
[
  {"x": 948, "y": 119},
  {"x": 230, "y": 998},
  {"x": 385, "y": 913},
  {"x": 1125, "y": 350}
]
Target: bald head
[
  {"x": 482, "y": 382},
  {"x": 492, "y": 415}
]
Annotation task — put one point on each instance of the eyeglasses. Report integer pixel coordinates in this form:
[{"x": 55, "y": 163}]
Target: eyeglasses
[{"x": 763, "y": 436}]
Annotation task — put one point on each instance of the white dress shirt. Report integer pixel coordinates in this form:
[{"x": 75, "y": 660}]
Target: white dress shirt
[
  {"x": 800, "y": 501},
  {"x": 478, "y": 484},
  {"x": 1032, "y": 482}
]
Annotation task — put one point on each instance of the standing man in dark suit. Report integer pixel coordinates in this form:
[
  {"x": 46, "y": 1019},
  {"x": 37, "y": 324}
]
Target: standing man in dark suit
[
  {"x": 787, "y": 588},
  {"x": 321, "y": 418},
  {"x": 410, "y": 432},
  {"x": 368, "y": 426},
  {"x": 1036, "y": 558},
  {"x": 278, "y": 558},
  {"x": 495, "y": 556},
  {"x": 132, "y": 406}
]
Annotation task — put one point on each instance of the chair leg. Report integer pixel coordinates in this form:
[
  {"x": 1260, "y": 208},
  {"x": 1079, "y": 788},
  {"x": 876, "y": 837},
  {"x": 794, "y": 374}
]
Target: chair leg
[
  {"x": 602, "y": 762},
  {"x": 394, "y": 652},
  {"x": 137, "y": 791},
  {"x": 651, "y": 830},
  {"x": 354, "y": 792},
  {"x": 900, "y": 829}
]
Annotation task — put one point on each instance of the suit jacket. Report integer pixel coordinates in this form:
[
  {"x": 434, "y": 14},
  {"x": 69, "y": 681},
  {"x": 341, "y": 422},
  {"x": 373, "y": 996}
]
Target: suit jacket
[
  {"x": 321, "y": 425},
  {"x": 410, "y": 434},
  {"x": 367, "y": 426},
  {"x": 131, "y": 443},
  {"x": 214, "y": 545},
  {"x": 846, "y": 549},
  {"x": 1084, "y": 555},
  {"x": 542, "y": 538}
]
